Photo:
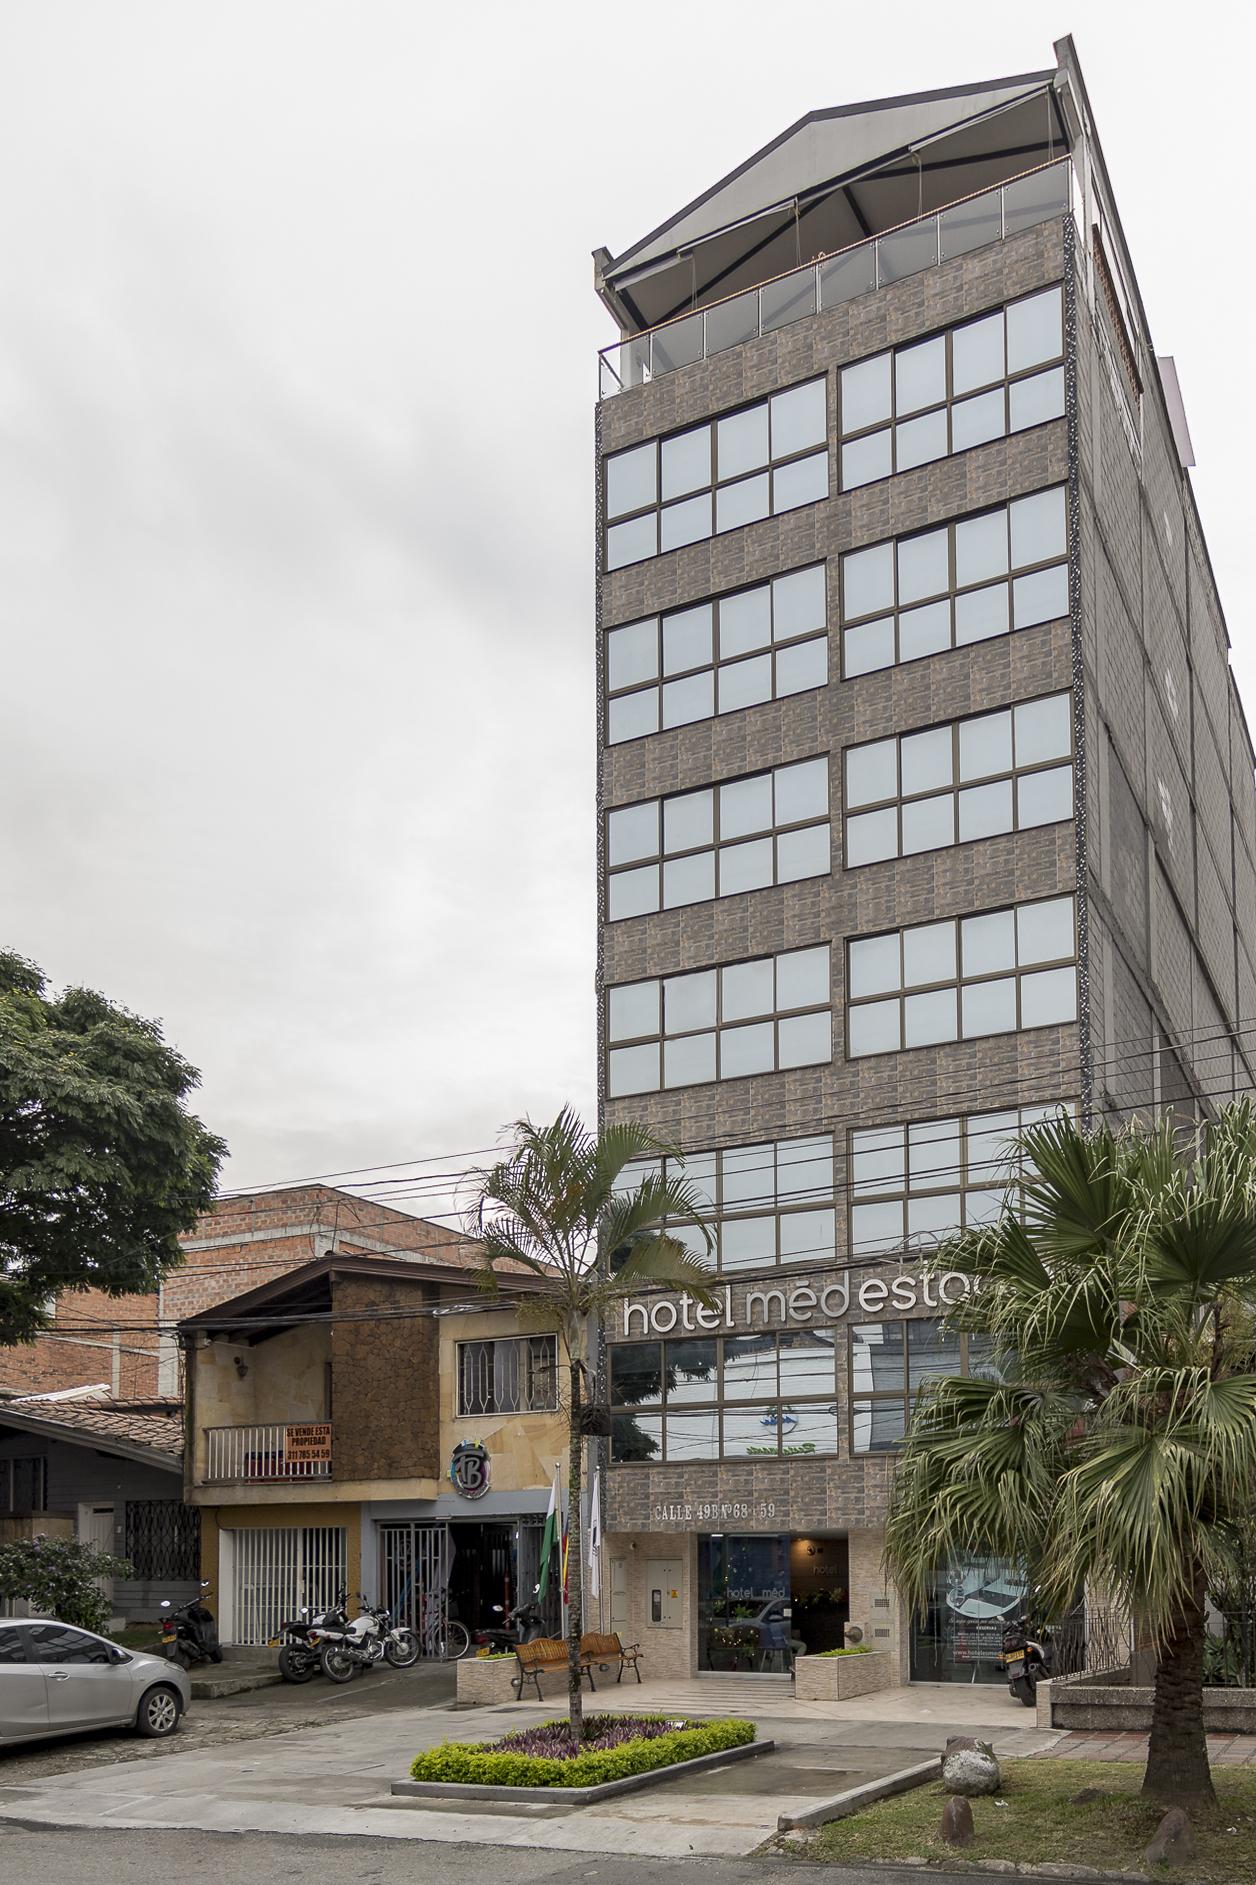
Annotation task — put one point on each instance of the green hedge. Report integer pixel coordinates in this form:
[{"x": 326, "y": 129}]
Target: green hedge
[
  {"x": 852, "y": 1649},
  {"x": 468, "y": 1764}
]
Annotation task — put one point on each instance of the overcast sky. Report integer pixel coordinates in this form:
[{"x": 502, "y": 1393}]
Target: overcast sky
[{"x": 297, "y": 339}]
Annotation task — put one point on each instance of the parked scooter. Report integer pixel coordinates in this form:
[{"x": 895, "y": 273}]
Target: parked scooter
[
  {"x": 189, "y": 1634},
  {"x": 523, "y": 1624},
  {"x": 1026, "y": 1661},
  {"x": 300, "y": 1639},
  {"x": 371, "y": 1637}
]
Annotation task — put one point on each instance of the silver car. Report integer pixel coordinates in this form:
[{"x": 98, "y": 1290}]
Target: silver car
[{"x": 58, "y": 1679}]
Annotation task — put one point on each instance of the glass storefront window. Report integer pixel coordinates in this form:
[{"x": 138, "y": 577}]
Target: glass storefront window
[
  {"x": 960, "y": 1635},
  {"x": 743, "y": 1601}
]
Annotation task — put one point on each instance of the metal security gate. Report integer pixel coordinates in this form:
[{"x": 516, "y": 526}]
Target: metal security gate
[
  {"x": 415, "y": 1562},
  {"x": 276, "y": 1572}
]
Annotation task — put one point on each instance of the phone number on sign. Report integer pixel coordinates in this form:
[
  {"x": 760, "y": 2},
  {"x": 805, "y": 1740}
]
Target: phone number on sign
[{"x": 684, "y": 1514}]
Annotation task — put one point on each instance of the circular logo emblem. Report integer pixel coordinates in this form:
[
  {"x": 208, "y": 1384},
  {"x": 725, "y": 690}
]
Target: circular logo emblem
[{"x": 469, "y": 1469}]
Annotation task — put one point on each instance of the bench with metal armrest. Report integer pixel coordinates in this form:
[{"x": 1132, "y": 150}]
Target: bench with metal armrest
[{"x": 596, "y": 1651}]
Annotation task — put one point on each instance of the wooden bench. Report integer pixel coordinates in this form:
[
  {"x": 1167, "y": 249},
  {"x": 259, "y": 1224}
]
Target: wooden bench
[{"x": 596, "y": 1651}]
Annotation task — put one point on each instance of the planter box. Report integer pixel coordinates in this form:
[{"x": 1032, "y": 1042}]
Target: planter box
[
  {"x": 486, "y": 1682},
  {"x": 581, "y": 1796},
  {"x": 1113, "y": 1704},
  {"x": 841, "y": 1678}
]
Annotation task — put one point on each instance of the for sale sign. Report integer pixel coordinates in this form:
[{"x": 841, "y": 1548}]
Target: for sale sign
[{"x": 309, "y": 1445}]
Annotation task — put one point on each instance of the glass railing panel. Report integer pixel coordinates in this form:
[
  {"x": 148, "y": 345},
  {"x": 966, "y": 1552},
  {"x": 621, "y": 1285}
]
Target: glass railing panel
[
  {"x": 1036, "y": 198},
  {"x": 732, "y": 322},
  {"x": 678, "y": 345},
  {"x": 844, "y": 276},
  {"x": 907, "y": 251},
  {"x": 790, "y": 299},
  {"x": 971, "y": 225}
]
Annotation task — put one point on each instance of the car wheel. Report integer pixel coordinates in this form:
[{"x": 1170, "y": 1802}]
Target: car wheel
[{"x": 158, "y": 1712}]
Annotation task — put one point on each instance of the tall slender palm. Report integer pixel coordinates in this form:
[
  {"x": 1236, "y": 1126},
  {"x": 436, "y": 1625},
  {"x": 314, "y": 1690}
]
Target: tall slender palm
[
  {"x": 1114, "y": 1444},
  {"x": 558, "y": 1205}
]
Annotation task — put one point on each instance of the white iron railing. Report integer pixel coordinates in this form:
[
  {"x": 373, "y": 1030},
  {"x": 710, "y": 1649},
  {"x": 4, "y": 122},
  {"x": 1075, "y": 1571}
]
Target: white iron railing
[{"x": 265, "y": 1452}]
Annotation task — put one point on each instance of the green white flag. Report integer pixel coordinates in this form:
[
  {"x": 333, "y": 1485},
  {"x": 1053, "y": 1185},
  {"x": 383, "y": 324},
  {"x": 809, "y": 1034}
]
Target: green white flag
[{"x": 550, "y": 1538}]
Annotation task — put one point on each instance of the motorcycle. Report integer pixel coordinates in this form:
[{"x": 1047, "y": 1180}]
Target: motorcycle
[
  {"x": 523, "y": 1624},
  {"x": 1026, "y": 1661},
  {"x": 189, "y": 1634},
  {"x": 370, "y": 1638},
  {"x": 300, "y": 1653}
]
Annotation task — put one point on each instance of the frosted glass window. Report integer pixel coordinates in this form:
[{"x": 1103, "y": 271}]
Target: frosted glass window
[
  {"x": 804, "y": 481},
  {"x": 686, "y": 880},
  {"x": 985, "y": 810},
  {"x": 741, "y": 442},
  {"x": 802, "y": 791},
  {"x": 688, "y": 700},
  {"x": 927, "y": 760},
  {"x": 633, "y": 833},
  {"x": 802, "y": 978},
  {"x": 688, "y": 820},
  {"x": 804, "y": 1040},
  {"x": 804, "y": 853},
  {"x": 689, "y": 1060},
  {"x": 1034, "y": 401},
  {"x": 745, "y": 683},
  {"x": 871, "y": 836},
  {"x": 799, "y": 418},
  {"x": 923, "y": 566},
  {"x": 1040, "y": 597},
  {"x": 746, "y": 805},
  {"x": 632, "y": 653},
  {"x": 746, "y": 866},
  {"x": 924, "y": 631},
  {"x": 920, "y": 375},
  {"x": 869, "y": 647},
  {"x": 1044, "y": 798},
  {"x": 686, "y": 462},
  {"x": 865, "y": 390},
  {"x": 1039, "y": 527},
  {"x": 929, "y": 1018},
  {"x": 1045, "y": 931},
  {"x": 985, "y": 745},
  {"x": 745, "y": 622},
  {"x": 747, "y": 989},
  {"x": 977, "y": 354},
  {"x": 989, "y": 942},
  {"x": 927, "y": 824},
  {"x": 803, "y": 666},
  {"x": 687, "y": 639},
  {"x": 928, "y": 954},
  {"x": 632, "y": 717},
  {"x": 689, "y": 1001},
  {"x": 868, "y": 580},
  {"x": 631, "y": 480},
  {"x": 747, "y": 1050},
  {"x": 875, "y": 1027},
  {"x": 1043, "y": 729},
  {"x": 977, "y": 421},
  {"x": 632, "y": 542},
  {"x": 920, "y": 441},
  {"x": 799, "y": 605},
  {"x": 1035, "y": 330},
  {"x": 808, "y": 1236},
  {"x": 634, "y": 1011},
  {"x": 747, "y": 1174},
  {"x": 990, "y": 1007},
  {"x": 875, "y": 965},
  {"x": 1048, "y": 997},
  {"x": 687, "y": 522},
  {"x": 743, "y": 503},
  {"x": 634, "y": 893},
  {"x": 872, "y": 772},
  {"x": 981, "y": 548},
  {"x": 864, "y": 460},
  {"x": 633, "y": 1070},
  {"x": 933, "y": 1153},
  {"x": 980, "y": 614}
]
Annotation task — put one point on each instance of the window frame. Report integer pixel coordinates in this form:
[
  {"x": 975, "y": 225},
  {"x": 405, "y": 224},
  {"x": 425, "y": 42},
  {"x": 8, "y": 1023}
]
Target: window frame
[
  {"x": 774, "y": 1203},
  {"x": 529, "y": 1368},
  {"x": 904, "y": 1397},
  {"x": 718, "y": 1404}
]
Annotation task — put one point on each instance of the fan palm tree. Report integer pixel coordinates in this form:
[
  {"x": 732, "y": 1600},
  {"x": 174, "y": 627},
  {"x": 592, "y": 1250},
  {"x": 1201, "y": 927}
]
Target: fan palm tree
[
  {"x": 1113, "y": 1444},
  {"x": 558, "y": 1206}
]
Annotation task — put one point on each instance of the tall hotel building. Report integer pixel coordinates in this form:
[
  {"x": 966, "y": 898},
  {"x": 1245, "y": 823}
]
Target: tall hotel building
[{"x": 925, "y": 807}]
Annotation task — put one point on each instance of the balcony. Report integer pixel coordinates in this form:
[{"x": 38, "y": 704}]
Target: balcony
[
  {"x": 1037, "y": 196},
  {"x": 249, "y": 1456}
]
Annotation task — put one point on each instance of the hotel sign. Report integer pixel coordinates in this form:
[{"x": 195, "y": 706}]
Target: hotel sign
[{"x": 785, "y": 1305}]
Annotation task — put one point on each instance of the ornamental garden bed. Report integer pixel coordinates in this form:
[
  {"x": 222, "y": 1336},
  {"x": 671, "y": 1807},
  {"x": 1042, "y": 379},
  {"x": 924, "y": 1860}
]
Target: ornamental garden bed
[
  {"x": 619, "y": 1754},
  {"x": 837, "y": 1676}
]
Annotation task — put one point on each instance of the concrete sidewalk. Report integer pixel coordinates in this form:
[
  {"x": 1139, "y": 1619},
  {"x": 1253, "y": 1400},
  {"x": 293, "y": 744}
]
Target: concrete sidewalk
[{"x": 335, "y": 1780}]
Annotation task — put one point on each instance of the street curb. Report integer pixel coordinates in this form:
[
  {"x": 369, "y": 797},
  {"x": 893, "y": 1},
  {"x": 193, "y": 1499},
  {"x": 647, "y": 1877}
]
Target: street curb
[
  {"x": 856, "y": 1798},
  {"x": 216, "y": 1687},
  {"x": 579, "y": 1796},
  {"x": 1046, "y": 1873}
]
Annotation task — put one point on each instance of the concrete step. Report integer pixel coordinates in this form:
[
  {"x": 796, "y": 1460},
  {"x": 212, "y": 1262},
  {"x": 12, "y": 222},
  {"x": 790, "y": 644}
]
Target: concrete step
[{"x": 211, "y": 1683}]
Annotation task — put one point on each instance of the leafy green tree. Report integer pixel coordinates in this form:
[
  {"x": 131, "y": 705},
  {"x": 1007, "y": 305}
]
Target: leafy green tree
[
  {"x": 101, "y": 1165},
  {"x": 60, "y": 1578},
  {"x": 1114, "y": 1447},
  {"x": 559, "y": 1206}
]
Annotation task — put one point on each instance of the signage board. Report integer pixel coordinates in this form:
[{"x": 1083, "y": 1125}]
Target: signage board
[
  {"x": 469, "y": 1469},
  {"x": 309, "y": 1445},
  {"x": 783, "y": 1305}
]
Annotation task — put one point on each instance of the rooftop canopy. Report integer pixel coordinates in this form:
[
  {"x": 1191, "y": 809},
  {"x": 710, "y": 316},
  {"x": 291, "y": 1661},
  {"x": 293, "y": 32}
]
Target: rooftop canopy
[{"x": 832, "y": 179}]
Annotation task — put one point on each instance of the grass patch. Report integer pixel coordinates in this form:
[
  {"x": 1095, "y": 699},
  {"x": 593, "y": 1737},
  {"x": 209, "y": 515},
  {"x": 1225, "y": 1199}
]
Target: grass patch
[
  {"x": 142, "y": 1636},
  {"x": 611, "y": 1752},
  {"x": 1038, "y": 1823}
]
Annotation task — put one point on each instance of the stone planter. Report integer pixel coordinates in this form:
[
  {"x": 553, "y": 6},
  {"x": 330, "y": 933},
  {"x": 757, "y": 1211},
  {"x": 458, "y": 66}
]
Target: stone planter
[
  {"x": 1114, "y": 1704},
  {"x": 485, "y": 1682},
  {"x": 840, "y": 1678}
]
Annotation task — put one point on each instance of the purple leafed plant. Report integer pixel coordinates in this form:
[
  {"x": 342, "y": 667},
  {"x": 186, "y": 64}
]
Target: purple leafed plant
[{"x": 552, "y": 1739}]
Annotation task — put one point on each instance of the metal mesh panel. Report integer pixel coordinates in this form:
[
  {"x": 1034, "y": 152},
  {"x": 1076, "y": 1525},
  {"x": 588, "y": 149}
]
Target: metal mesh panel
[{"x": 163, "y": 1539}]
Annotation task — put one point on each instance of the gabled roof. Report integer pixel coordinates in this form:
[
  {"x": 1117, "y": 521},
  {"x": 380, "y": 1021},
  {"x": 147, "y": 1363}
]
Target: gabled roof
[{"x": 150, "y": 1431}]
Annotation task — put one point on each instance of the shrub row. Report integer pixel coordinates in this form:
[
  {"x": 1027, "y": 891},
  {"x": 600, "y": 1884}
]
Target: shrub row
[{"x": 471, "y": 1765}]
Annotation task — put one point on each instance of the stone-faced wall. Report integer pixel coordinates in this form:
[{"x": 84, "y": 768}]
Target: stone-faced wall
[{"x": 385, "y": 1408}]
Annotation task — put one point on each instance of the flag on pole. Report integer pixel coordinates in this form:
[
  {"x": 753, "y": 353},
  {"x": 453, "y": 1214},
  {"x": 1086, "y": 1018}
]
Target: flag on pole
[
  {"x": 595, "y": 1533},
  {"x": 550, "y": 1534}
]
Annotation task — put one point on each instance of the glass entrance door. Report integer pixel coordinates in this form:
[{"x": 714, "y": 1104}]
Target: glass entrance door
[
  {"x": 961, "y": 1633},
  {"x": 743, "y": 1602}
]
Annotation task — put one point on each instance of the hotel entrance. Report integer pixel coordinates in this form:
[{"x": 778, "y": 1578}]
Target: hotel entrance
[{"x": 764, "y": 1597}]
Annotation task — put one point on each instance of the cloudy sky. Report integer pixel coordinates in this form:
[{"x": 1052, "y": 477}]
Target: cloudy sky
[{"x": 297, "y": 341}]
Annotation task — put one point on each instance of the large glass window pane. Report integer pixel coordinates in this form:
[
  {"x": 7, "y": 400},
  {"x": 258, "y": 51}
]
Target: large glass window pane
[
  {"x": 875, "y": 965},
  {"x": 745, "y": 866},
  {"x": 802, "y": 978},
  {"x": 741, "y": 442},
  {"x": 923, "y": 566},
  {"x": 1044, "y": 798},
  {"x": 924, "y": 631},
  {"x": 804, "y": 1040},
  {"x": 970, "y": 225},
  {"x": 932, "y": 1217},
  {"x": 992, "y": 1148},
  {"x": 977, "y": 357},
  {"x": 799, "y": 604},
  {"x": 632, "y": 716},
  {"x": 632, "y": 654},
  {"x": 920, "y": 376},
  {"x": 686, "y": 462},
  {"x": 745, "y": 622},
  {"x": 868, "y": 581},
  {"x": 801, "y": 791},
  {"x": 633, "y": 832},
  {"x": 920, "y": 441},
  {"x": 805, "y": 853},
  {"x": 928, "y": 954},
  {"x": 864, "y": 460},
  {"x": 876, "y": 1227},
  {"x": 805, "y": 1168},
  {"x": 1035, "y": 330},
  {"x": 805, "y": 481},
  {"x": 747, "y": 1050},
  {"x": 745, "y": 683},
  {"x": 747, "y": 988},
  {"x": 1044, "y": 931},
  {"x": 687, "y": 522},
  {"x": 677, "y": 346},
  {"x": 636, "y": 1373},
  {"x": 687, "y": 639},
  {"x": 632, "y": 1070},
  {"x": 926, "y": 760},
  {"x": 693, "y": 1436},
  {"x": 877, "y": 1426},
  {"x": 874, "y": 1027},
  {"x": 989, "y": 1008},
  {"x": 933, "y": 1154},
  {"x": 985, "y": 810},
  {"x": 636, "y": 1437},
  {"x": 807, "y": 1363},
  {"x": 691, "y": 1370},
  {"x": 633, "y": 893},
  {"x": 1043, "y": 729},
  {"x": 877, "y": 1357},
  {"x": 747, "y": 1243},
  {"x": 981, "y": 614},
  {"x": 988, "y": 943},
  {"x": 906, "y": 251},
  {"x": 799, "y": 419},
  {"x": 633, "y": 1011},
  {"x": 632, "y": 479},
  {"x": 871, "y": 772},
  {"x": 929, "y": 1018},
  {"x": 844, "y": 276},
  {"x": 689, "y": 1001},
  {"x": 871, "y": 837},
  {"x": 1042, "y": 597},
  {"x": 932, "y": 1349},
  {"x": 688, "y": 820},
  {"x": 732, "y": 322},
  {"x": 632, "y": 542},
  {"x": 749, "y": 1367},
  {"x": 869, "y": 647},
  {"x": 1034, "y": 401},
  {"x": 878, "y": 1159},
  {"x": 928, "y": 824},
  {"x": 977, "y": 421},
  {"x": 745, "y": 502},
  {"x": 985, "y": 745},
  {"x": 1048, "y": 996},
  {"x": 865, "y": 389},
  {"x": 1039, "y": 527},
  {"x": 803, "y": 666},
  {"x": 690, "y": 699},
  {"x": 689, "y": 1060},
  {"x": 747, "y": 1174},
  {"x": 745, "y": 806},
  {"x": 981, "y": 548},
  {"x": 689, "y": 879},
  {"x": 753, "y": 1430}
]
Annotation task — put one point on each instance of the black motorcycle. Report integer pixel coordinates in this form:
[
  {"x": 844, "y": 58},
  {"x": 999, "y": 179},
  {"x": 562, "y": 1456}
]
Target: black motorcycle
[
  {"x": 1026, "y": 1661},
  {"x": 189, "y": 1634},
  {"x": 523, "y": 1624},
  {"x": 300, "y": 1642}
]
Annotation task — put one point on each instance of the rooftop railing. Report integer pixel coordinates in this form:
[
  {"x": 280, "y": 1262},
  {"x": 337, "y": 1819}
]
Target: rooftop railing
[{"x": 1034, "y": 197}]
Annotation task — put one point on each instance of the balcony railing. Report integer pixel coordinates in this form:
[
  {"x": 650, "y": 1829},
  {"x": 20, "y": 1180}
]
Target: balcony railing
[
  {"x": 1035, "y": 197},
  {"x": 236, "y": 1455}
]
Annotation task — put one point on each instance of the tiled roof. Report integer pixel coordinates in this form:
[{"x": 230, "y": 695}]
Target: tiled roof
[{"x": 157, "y": 1424}]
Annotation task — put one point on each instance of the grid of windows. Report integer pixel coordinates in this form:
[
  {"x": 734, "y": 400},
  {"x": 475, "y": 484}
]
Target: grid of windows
[
  {"x": 719, "y": 1024},
  {"x": 772, "y": 828},
  {"x": 966, "y": 582},
  {"x": 716, "y": 476},
  {"x": 742, "y": 1396},
  {"x": 890, "y": 1362},
  {"x": 733, "y": 651},
  {"x": 769, "y": 1204},
  {"x": 965, "y": 977},
  {"x": 912, "y": 1185},
  {"x": 964, "y": 780},
  {"x": 515, "y": 1375},
  {"x": 913, "y": 404}
]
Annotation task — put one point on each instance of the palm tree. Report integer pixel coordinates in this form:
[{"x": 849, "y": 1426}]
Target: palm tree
[
  {"x": 558, "y": 1206},
  {"x": 1113, "y": 1444}
]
